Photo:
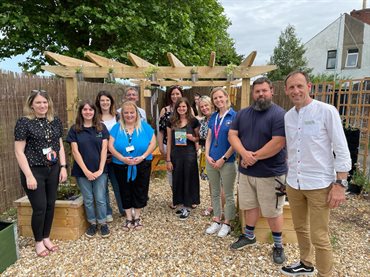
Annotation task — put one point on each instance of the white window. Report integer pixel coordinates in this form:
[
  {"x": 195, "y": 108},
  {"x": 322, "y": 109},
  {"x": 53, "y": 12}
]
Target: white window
[
  {"x": 352, "y": 58},
  {"x": 331, "y": 60}
]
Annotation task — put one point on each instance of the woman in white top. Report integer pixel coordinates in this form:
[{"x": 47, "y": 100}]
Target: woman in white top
[{"x": 107, "y": 112}]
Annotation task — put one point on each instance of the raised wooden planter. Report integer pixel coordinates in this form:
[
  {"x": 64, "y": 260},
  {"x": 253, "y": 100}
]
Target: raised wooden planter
[
  {"x": 8, "y": 245},
  {"x": 69, "y": 219},
  {"x": 263, "y": 232}
]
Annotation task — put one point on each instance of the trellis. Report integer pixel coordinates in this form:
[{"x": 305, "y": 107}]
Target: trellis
[{"x": 175, "y": 74}]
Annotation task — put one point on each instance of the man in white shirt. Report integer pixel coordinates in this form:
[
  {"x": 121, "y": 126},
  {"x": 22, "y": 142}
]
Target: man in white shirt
[
  {"x": 131, "y": 94},
  {"x": 318, "y": 165}
]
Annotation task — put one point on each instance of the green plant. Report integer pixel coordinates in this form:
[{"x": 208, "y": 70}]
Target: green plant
[
  {"x": 79, "y": 69},
  {"x": 111, "y": 70},
  {"x": 68, "y": 191},
  {"x": 361, "y": 178},
  {"x": 194, "y": 70},
  {"x": 151, "y": 70},
  {"x": 229, "y": 69}
]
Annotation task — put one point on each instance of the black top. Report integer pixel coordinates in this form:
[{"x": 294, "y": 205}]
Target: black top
[
  {"x": 164, "y": 122},
  {"x": 39, "y": 134},
  {"x": 89, "y": 142}
]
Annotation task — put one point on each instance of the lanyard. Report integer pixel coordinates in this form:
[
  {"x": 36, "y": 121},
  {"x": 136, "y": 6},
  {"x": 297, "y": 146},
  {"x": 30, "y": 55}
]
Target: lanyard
[
  {"x": 217, "y": 129},
  {"x": 129, "y": 136}
]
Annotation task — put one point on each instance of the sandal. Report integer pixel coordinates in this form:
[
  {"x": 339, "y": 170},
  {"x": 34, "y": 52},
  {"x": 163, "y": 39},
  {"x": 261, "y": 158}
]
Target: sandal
[
  {"x": 128, "y": 225},
  {"x": 54, "y": 248},
  {"x": 173, "y": 207},
  {"x": 43, "y": 253},
  {"x": 208, "y": 211},
  {"x": 137, "y": 224},
  {"x": 194, "y": 206}
]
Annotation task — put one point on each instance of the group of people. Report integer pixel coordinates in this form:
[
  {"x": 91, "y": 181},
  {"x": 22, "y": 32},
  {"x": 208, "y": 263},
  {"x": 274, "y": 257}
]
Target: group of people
[{"x": 302, "y": 153}]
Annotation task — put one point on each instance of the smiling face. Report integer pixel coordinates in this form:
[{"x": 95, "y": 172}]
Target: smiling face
[
  {"x": 219, "y": 99},
  {"x": 87, "y": 113},
  {"x": 129, "y": 114},
  {"x": 262, "y": 96},
  {"x": 205, "y": 108},
  {"x": 40, "y": 106},
  {"x": 105, "y": 103},
  {"x": 132, "y": 95},
  {"x": 182, "y": 108},
  {"x": 175, "y": 94},
  {"x": 298, "y": 90}
]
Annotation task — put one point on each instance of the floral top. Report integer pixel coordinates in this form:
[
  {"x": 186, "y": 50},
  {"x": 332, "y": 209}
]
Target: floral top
[
  {"x": 203, "y": 131},
  {"x": 39, "y": 134},
  {"x": 164, "y": 123}
]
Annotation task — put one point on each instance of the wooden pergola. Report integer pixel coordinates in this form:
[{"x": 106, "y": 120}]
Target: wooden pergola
[{"x": 176, "y": 74}]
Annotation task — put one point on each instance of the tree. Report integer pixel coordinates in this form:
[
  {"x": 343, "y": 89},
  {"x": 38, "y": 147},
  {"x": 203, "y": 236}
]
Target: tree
[
  {"x": 189, "y": 29},
  {"x": 288, "y": 55}
]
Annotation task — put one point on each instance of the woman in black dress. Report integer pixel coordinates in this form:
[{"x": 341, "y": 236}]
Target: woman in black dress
[{"x": 182, "y": 136}]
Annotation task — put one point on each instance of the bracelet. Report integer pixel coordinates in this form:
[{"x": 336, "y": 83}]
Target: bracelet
[
  {"x": 64, "y": 165},
  {"x": 168, "y": 161}
]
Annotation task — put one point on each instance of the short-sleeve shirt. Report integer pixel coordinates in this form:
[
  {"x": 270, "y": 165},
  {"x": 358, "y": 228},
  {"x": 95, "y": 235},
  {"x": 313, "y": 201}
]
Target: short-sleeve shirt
[
  {"x": 35, "y": 132},
  {"x": 90, "y": 143},
  {"x": 140, "y": 140},
  {"x": 220, "y": 145},
  {"x": 255, "y": 129},
  {"x": 189, "y": 128}
]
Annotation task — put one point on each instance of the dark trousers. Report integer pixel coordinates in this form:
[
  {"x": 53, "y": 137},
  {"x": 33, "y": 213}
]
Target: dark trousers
[
  {"x": 42, "y": 199},
  {"x": 134, "y": 194}
]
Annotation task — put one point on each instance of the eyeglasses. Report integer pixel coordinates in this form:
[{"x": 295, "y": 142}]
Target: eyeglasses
[{"x": 38, "y": 91}]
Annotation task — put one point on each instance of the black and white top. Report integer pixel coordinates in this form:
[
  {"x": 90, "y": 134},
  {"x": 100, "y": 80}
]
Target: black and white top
[{"x": 39, "y": 134}]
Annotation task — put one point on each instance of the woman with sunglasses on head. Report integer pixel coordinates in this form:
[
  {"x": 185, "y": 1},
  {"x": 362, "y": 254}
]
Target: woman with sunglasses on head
[
  {"x": 40, "y": 154},
  {"x": 89, "y": 142},
  {"x": 183, "y": 134},
  {"x": 220, "y": 162},
  {"x": 131, "y": 143},
  {"x": 107, "y": 113}
]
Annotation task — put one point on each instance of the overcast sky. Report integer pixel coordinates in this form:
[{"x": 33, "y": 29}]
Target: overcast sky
[{"x": 257, "y": 24}]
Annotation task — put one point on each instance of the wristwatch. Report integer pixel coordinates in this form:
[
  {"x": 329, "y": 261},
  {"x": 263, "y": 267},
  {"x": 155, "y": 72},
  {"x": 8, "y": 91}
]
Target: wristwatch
[
  {"x": 343, "y": 183},
  {"x": 224, "y": 158}
]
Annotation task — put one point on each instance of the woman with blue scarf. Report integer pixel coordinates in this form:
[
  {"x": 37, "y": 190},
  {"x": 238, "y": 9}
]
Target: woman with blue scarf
[{"x": 131, "y": 143}]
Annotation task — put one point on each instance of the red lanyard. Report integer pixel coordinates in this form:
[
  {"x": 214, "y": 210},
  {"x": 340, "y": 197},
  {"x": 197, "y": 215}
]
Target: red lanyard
[{"x": 217, "y": 129}]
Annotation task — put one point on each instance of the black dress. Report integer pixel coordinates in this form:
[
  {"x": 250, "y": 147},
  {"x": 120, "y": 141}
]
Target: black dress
[{"x": 185, "y": 169}]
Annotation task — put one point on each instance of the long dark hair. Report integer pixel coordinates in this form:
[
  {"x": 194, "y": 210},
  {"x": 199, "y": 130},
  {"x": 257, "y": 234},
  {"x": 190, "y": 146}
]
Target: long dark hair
[
  {"x": 168, "y": 94},
  {"x": 175, "y": 118},
  {"x": 80, "y": 120},
  {"x": 112, "y": 109}
]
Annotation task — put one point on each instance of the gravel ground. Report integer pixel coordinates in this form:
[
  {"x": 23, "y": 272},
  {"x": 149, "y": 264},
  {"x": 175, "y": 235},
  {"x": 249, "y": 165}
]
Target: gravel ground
[{"x": 167, "y": 246}]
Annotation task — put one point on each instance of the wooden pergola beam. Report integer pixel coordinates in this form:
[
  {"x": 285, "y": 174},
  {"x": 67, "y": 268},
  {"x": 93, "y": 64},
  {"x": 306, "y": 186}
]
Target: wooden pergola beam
[
  {"x": 166, "y": 83},
  {"x": 170, "y": 72},
  {"x": 212, "y": 59},
  {"x": 174, "y": 61},
  {"x": 137, "y": 61},
  {"x": 248, "y": 61},
  {"x": 68, "y": 61},
  {"x": 103, "y": 61}
]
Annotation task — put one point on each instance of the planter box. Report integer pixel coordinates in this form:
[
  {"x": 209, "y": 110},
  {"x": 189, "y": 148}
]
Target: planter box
[
  {"x": 69, "y": 219},
  {"x": 263, "y": 231},
  {"x": 8, "y": 245}
]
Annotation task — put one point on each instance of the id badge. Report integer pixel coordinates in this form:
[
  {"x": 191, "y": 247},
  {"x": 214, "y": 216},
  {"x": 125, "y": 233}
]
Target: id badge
[
  {"x": 46, "y": 151},
  {"x": 130, "y": 148}
]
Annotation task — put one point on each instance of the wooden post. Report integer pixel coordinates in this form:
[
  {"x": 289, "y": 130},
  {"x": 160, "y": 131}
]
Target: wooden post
[
  {"x": 246, "y": 90},
  {"x": 72, "y": 97},
  {"x": 142, "y": 99}
]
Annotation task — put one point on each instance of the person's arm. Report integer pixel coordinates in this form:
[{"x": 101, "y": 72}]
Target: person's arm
[
  {"x": 79, "y": 160},
  {"x": 209, "y": 159},
  {"x": 19, "y": 147},
  {"x": 115, "y": 153},
  {"x": 161, "y": 136},
  {"x": 103, "y": 158},
  {"x": 247, "y": 156},
  {"x": 271, "y": 148},
  {"x": 62, "y": 159},
  {"x": 169, "y": 146}
]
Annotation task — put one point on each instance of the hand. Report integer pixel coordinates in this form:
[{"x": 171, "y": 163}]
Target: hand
[
  {"x": 98, "y": 173},
  {"x": 211, "y": 161},
  {"x": 169, "y": 166},
  {"x": 138, "y": 159},
  {"x": 190, "y": 137},
  {"x": 219, "y": 163},
  {"x": 63, "y": 175},
  {"x": 336, "y": 196},
  {"x": 248, "y": 159},
  {"x": 31, "y": 183},
  {"x": 128, "y": 160},
  {"x": 89, "y": 175}
]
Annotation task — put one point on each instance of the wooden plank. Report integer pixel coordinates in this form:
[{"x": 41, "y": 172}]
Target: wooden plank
[
  {"x": 245, "y": 93},
  {"x": 103, "y": 61},
  {"x": 212, "y": 59},
  {"x": 248, "y": 61},
  {"x": 137, "y": 61},
  {"x": 157, "y": 158},
  {"x": 66, "y": 233},
  {"x": 174, "y": 61},
  {"x": 68, "y": 61}
]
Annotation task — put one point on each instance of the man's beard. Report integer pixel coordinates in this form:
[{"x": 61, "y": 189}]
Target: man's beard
[{"x": 262, "y": 104}]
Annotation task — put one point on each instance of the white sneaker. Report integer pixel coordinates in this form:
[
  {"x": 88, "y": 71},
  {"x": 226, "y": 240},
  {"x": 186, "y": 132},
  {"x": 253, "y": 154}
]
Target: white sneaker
[
  {"x": 109, "y": 218},
  {"x": 214, "y": 228},
  {"x": 224, "y": 231}
]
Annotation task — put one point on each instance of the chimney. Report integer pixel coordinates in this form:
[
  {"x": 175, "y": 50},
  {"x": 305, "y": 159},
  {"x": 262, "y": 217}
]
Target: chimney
[{"x": 363, "y": 4}]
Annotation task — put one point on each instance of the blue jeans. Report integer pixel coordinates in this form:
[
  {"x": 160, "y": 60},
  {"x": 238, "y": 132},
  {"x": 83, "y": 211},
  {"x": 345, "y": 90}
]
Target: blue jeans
[
  {"x": 94, "y": 195},
  {"x": 115, "y": 185}
]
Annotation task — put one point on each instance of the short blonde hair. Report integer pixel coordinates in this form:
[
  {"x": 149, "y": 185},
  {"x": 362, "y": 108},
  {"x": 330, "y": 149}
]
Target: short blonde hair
[
  {"x": 208, "y": 100},
  {"x": 28, "y": 110},
  {"x": 138, "y": 118},
  {"x": 228, "y": 104}
]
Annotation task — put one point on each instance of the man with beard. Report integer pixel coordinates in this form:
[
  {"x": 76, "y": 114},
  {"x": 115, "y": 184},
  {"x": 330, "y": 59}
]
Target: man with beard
[{"x": 257, "y": 134}]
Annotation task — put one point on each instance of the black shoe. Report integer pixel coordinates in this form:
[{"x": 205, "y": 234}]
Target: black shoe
[
  {"x": 91, "y": 231},
  {"x": 297, "y": 269},
  {"x": 178, "y": 212},
  {"x": 242, "y": 242},
  {"x": 278, "y": 255},
  {"x": 184, "y": 214},
  {"x": 104, "y": 231}
]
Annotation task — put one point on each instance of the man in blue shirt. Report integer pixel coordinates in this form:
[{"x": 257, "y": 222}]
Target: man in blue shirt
[{"x": 258, "y": 135}]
